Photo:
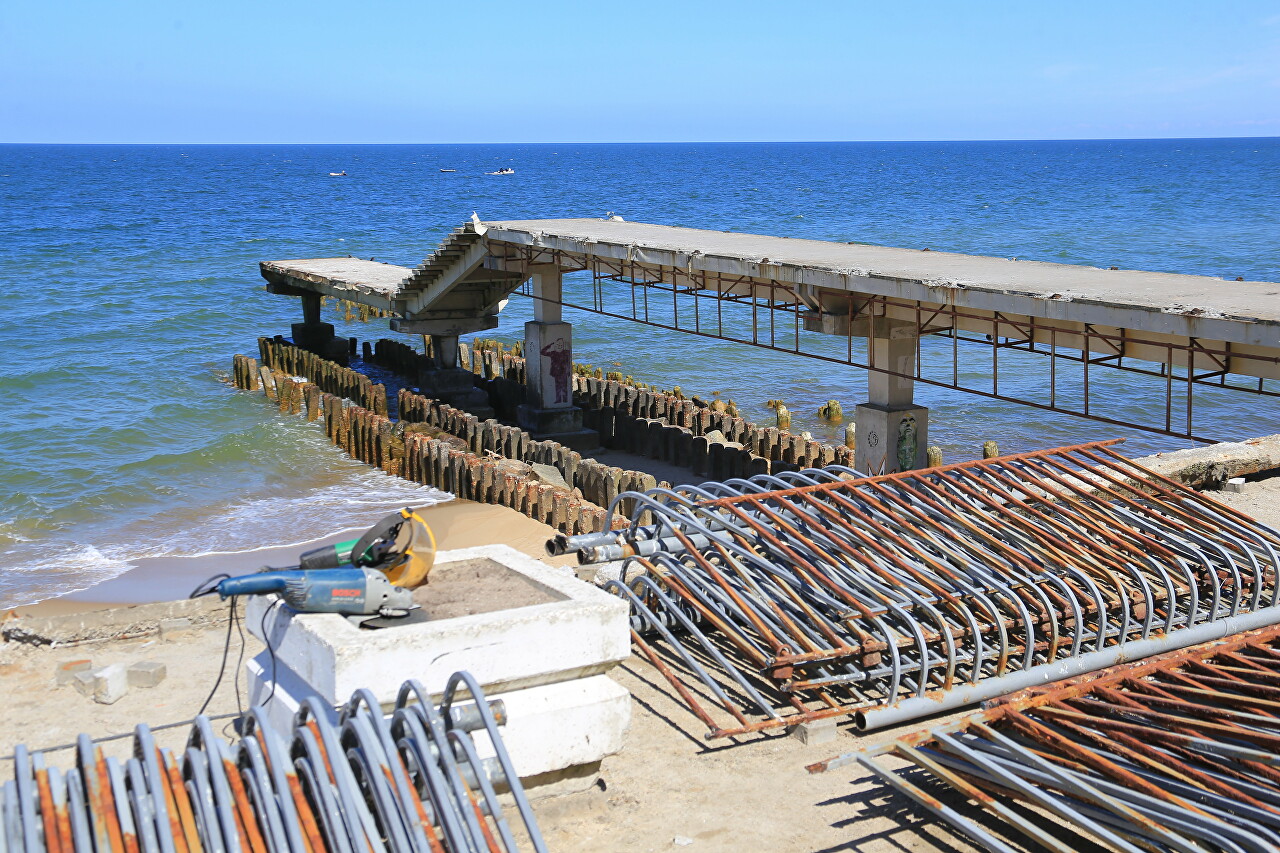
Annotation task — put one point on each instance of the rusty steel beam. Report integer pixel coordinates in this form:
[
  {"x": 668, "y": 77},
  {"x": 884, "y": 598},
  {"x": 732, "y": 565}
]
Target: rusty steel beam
[
  {"x": 784, "y": 598},
  {"x": 1178, "y": 752},
  {"x": 349, "y": 780}
]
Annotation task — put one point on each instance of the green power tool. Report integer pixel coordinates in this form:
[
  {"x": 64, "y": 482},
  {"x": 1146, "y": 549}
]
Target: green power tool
[
  {"x": 401, "y": 546},
  {"x": 373, "y": 575}
]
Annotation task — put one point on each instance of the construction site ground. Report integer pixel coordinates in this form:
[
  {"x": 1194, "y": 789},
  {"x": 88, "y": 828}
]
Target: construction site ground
[{"x": 669, "y": 789}]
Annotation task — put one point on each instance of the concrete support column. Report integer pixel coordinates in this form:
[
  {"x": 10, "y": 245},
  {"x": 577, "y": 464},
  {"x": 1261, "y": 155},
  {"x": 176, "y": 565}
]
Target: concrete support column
[
  {"x": 548, "y": 359},
  {"x": 548, "y": 292},
  {"x": 311, "y": 308},
  {"x": 892, "y": 432},
  {"x": 548, "y": 362},
  {"x": 445, "y": 350},
  {"x": 316, "y": 336}
]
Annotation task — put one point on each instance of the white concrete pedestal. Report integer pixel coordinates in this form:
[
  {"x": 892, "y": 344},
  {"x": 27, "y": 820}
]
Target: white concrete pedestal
[{"x": 546, "y": 661}]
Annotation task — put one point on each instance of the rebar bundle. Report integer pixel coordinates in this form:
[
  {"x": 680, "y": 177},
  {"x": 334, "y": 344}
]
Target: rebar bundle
[
  {"x": 1175, "y": 753},
  {"x": 821, "y": 593},
  {"x": 355, "y": 781}
]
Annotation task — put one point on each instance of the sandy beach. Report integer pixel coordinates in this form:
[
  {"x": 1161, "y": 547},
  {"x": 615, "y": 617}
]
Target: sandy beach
[{"x": 455, "y": 524}]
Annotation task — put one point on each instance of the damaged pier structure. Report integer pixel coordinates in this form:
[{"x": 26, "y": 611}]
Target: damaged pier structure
[{"x": 1183, "y": 333}]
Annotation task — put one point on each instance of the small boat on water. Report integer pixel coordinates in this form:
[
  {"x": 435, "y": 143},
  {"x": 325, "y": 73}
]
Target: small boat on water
[
  {"x": 448, "y": 170},
  {"x": 341, "y": 174},
  {"x": 507, "y": 171}
]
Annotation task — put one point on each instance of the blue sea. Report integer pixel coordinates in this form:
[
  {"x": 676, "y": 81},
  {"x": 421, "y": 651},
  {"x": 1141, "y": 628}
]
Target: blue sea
[{"x": 128, "y": 279}]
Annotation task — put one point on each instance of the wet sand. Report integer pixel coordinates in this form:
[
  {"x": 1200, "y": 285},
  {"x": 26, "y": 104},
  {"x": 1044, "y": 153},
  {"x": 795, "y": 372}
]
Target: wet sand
[{"x": 455, "y": 524}]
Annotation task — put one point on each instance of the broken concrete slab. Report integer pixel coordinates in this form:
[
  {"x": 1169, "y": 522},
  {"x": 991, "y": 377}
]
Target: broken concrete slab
[{"x": 139, "y": 620}]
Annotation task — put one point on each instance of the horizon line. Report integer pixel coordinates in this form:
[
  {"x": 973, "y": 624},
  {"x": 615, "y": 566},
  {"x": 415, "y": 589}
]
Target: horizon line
[{"x": 705, "y": 141}]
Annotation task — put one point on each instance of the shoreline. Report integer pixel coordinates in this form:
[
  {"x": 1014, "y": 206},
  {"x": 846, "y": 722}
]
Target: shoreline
[{"x": 455, "y": 524}]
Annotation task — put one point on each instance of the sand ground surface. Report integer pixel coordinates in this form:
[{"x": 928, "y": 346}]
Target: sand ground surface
[{"x": 669, "y": 789}]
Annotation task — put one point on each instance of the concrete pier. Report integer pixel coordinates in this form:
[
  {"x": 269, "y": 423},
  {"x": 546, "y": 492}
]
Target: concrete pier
[{"x": 1185, "y": 331}]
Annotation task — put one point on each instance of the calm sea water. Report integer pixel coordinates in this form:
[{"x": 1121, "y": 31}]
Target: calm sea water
[{"x": 128, "y": 279}]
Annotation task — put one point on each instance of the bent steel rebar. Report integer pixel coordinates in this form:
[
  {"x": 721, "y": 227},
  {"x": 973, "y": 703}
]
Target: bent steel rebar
[
  {"x": 352, "y": 780},
  {"x": 1178, "y": 752},
  {"x": 823, "y": 592}
]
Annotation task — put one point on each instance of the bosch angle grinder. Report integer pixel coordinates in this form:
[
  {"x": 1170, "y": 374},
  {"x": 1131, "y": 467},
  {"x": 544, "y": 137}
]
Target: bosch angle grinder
[{"x": 374, "y": 575}]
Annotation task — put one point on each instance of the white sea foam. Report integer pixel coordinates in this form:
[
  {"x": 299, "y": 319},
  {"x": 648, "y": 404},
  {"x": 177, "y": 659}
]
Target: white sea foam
[
  {"x": 32, "y": 572},
  {"x": 273, "y": 522}
]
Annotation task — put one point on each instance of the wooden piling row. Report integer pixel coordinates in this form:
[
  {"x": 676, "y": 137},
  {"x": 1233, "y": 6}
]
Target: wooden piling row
[
  {"x": 438, "y": 463},
  {"x": 592, "y": 481},
  {"x": 331, "y": 377},
  {"x": 397, "y": 356},
  {"x": 244, "y": 373},
  {"x": 624, "y": 415},
  {"x": 447, "y": 462}
]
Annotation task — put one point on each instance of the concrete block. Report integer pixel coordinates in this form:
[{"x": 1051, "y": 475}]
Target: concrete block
[
  {"x": 816, "y": 732},
  {"x": 110, "y": 683},
  {"x": 556, "y": 726},
  {"x": 83, "y": 682},
  {"x": 582, "y": 632},
  {"x": 66, "y": 671},
  {"x": 1235, "y": 484},
  {"x": 147, "y": 673},
  {"x": 174, "y": 628},
  {"x": 279, "y": 691}
]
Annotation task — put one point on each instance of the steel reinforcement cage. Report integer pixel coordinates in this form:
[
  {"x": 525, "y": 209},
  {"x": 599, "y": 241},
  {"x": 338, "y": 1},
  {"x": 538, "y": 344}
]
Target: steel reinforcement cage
[
  {"x": 1178, "y": 752},
  {"x": 783, "y": 599}
]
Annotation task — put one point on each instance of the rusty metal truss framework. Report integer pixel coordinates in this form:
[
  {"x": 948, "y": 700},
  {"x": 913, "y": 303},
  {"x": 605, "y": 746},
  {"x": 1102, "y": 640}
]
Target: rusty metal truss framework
[
  {"x": 782, "y": 599},
  {"x": 1179, "y": 752},
  {"x": 1075, "y": 363}
]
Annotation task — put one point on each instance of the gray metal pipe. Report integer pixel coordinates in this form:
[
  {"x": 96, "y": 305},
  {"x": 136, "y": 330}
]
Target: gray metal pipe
[{"x": 957, "y": 697}]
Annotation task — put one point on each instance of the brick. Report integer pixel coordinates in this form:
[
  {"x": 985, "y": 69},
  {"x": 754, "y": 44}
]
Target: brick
[
  {"x": 147, "y": 673},
  {"x": 816, "y": 732},
  {"x": 83, "y": 682},
  {"x": 110, "y": 683},
  {"x": 66, "y": 671}
]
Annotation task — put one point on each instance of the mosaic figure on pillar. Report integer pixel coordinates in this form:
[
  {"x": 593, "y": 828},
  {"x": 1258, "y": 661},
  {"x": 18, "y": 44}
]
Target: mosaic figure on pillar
[{"x": 560, "y": 355}]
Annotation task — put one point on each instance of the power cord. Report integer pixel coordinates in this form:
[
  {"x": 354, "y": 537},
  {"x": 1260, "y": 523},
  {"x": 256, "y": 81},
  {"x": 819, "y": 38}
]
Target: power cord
[
  {"x": 226, "y": 651},
  {"x": 271, "y": 652},
  {"x": 239, "y": 670}
]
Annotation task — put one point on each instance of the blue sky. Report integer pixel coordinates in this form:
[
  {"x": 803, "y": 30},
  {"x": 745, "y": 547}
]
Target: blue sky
[{"x": 429, "y": 71}]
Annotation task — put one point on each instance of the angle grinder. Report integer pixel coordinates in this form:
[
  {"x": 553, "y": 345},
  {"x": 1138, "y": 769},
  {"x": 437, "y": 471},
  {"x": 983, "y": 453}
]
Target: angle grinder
[{"x": 373, "y": 576}]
